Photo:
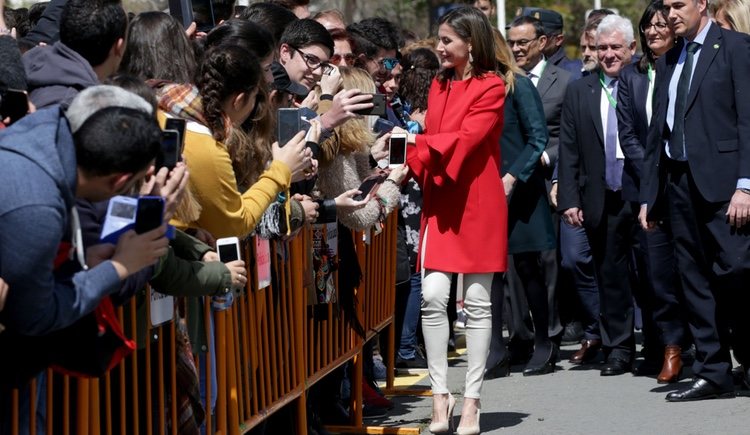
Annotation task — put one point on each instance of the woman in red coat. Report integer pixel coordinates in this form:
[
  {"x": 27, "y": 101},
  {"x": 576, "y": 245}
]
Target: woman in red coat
[{"x": 464, "y": 216}]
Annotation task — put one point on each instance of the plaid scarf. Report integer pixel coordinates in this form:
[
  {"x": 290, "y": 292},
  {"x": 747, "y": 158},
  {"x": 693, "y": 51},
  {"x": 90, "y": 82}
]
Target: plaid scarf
[{"x": 182, "y": 101}]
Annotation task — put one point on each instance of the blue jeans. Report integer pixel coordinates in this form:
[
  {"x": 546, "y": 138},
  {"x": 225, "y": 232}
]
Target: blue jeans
[{"x": 408, "y": 303}]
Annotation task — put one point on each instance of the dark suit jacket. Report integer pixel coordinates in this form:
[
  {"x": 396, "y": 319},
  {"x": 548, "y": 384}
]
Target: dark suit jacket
[
  {"x": 581, "y": 175},
  {"x": 551, "y": 87},
  {"x": 717, "y": 119},
  {"x": 632, "y": 124}
]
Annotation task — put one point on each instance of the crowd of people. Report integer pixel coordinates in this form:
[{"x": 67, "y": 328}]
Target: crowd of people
[{"x": 565, "y": 200}]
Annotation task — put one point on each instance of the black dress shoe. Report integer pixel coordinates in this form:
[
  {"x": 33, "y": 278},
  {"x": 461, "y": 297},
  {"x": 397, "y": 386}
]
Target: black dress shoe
[
  {"x": 499, "y": 370},
  {"x": 700, "y": 389},
  {"x": 616, "y": 366},
  {"x": 546, "y": 366}
]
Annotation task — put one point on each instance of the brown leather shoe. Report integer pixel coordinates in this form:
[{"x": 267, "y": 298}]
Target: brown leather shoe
[
  {"x": 672, "y": 368},
  {"x": 587, "y": 352}
]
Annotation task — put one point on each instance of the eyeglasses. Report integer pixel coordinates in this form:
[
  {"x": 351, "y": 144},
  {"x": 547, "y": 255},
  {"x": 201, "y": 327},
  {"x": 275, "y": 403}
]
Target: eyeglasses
[
  {"x": 313, "y": 62},
  {"x": 348, "y": 58},
  {"x": 604, "y": 48},
  {"x": 522, "y": 43},
  {"x": 657, "y": 26}
]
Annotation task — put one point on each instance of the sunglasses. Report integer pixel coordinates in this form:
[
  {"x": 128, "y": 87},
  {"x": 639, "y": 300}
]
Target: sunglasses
[
  {"x": 348, "y": 58},
  {"x": 389, "y": 63}
]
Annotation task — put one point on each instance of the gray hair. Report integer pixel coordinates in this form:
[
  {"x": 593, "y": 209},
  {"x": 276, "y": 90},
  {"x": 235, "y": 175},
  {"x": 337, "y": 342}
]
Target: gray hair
[
  {"x": 615, "y": 23},
  {"x": 95, "y": 98}
]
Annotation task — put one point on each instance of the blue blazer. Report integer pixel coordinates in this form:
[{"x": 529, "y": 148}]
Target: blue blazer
[{"x": 717, "y": 119}]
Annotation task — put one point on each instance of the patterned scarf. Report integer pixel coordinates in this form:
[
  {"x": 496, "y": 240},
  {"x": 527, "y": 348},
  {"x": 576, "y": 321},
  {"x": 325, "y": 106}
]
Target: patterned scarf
[{"x": 181, "y": 100}]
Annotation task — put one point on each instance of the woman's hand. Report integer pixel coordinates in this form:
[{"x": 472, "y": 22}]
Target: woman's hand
[
  {"x": 331, "y": 83},
  {"x": 295, "y": 154},
  {"x": 379, "y": 149},
  {"x": 313, "y": 134},
  {"x": 398, "y": 174},
  {"x": 509, "y": 182},
  {"x": 310, "y": 207},
  {"x": 311, "y": 101},
  {"x": 238, "y": 271},
  {"x": 346, "y": 201}
]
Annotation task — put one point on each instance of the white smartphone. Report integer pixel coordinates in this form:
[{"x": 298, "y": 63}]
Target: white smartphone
[
  {"x": 121, "y": 212},
  {"x": 228, "y": 249},
  {"x": 396, "y": 150}
]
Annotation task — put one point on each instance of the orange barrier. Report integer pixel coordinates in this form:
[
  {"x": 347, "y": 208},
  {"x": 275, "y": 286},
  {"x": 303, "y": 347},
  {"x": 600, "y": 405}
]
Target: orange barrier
[{"x": 270, "y": 346}]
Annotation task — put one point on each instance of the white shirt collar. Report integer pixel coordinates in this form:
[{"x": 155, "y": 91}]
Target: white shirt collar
[{"x": 538, "y": 68}]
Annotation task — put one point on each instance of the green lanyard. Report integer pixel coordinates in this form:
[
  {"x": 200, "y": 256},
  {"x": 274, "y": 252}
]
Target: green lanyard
[
  {"x": 650, "y": 73},
  {"x": 612, "y": 101}
]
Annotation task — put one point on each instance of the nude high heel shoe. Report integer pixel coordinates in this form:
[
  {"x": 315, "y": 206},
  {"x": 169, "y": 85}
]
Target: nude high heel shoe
[
  {"x": 445, "y": 427},
  {"x": 470, "y": 430}
]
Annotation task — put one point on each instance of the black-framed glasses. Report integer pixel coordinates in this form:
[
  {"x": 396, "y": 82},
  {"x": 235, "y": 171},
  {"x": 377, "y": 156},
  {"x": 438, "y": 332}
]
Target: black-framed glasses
[
  {"x": 313, "y": 62},
  {"x": 522, "y": 43},
  {"x": 657, "y": 26}
]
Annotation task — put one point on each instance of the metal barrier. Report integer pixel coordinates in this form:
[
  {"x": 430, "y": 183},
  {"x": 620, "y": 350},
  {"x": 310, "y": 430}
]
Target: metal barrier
[{"x": 270, "y": 347}]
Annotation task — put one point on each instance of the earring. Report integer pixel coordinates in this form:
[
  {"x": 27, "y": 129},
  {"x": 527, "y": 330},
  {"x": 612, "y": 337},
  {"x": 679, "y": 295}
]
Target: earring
[{"x": 471, "y": 58}]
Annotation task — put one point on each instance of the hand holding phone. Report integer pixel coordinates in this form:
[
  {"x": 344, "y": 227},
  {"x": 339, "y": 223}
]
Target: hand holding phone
[
  {"x": 378, "y": 106},
  {"x": 228, "y": 249},
  {"x": 396, "y": 150},
  {"x": 14, "y": 105}
]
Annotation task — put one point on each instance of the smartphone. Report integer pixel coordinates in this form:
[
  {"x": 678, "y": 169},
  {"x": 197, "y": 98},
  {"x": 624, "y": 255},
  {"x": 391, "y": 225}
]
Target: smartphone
[
  {"x": 171, "y": 152},
  {"x": 396, "y": 150},
  {"x": 289, "y": 122},
  {"x": 367, "y": 187},
  {"x": 149, "y": 213},
  {"x": 378, "y": 108},
  {"x": 177, "y": 124},
  {"x": 382, "y": 126},
  {"x": 14, "y": 104},
  {"x": 182, "y": 10},
  {"x": 120, "y": 214},
  {"x": 203, "y": 15},
  {"x": 228, "y": 249}
]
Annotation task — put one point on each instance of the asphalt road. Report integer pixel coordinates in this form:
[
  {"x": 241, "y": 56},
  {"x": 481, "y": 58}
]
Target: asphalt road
[{"x": 577, "y": 400}]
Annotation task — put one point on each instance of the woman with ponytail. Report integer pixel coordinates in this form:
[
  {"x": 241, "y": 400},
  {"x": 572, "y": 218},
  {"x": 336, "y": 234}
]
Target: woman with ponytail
[{"x": 227, "y": 86}]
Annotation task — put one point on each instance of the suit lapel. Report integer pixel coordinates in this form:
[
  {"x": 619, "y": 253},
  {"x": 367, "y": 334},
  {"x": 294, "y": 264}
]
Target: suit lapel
[
  {"x": 708, "y": 52},
  {"x": 593, "y": 99},
  {"x": 548, "y": 78}
]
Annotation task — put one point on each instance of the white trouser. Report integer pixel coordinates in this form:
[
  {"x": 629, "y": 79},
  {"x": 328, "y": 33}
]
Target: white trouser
[{"x": 477, "y": 306}]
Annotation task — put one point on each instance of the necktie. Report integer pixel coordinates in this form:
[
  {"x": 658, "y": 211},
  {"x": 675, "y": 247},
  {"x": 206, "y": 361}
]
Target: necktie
[
  {"x": 677, "y": 140},
  {"x": 613, "y": 174}
]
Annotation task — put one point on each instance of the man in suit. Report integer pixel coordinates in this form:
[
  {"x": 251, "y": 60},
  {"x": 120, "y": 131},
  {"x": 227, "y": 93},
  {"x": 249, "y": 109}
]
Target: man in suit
[
  {"x": 697, "y": 172},
  {"x": 591, "y": 183}
]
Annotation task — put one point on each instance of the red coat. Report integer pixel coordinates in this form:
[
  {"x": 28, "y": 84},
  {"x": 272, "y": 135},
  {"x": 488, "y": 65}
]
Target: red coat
[{"x": 457, "y": 165}]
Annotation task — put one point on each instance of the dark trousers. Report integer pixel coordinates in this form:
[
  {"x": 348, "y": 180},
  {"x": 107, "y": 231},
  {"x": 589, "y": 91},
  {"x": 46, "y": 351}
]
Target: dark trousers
[
  {"x": 611, "y": 247},
  {"x": 661, "y": 289},
  {"x": 713, "y": 261},
  {"x": 576, "y": 258}
]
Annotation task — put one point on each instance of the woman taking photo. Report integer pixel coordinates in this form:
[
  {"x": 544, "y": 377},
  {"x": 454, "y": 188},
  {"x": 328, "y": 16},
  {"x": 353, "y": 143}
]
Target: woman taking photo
[
  {"x": 664, "y": 322},
  {"x": 464, "y": 217}
]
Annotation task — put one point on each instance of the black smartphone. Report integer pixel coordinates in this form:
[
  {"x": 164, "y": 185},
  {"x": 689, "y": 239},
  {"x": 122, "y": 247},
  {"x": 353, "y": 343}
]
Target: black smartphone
[
  {"x": 396, "y": 150},
  {"x": 149, "y": 213},
  {"x": 378, "y": 108},
  {"x": 177, "y": 124},
  {"x": 14, "y": 104},
  {"x": 170, "y": 150},
  {"x": 367, "y": 186},
  {"x": 182, "y": 10},
  {"x": 382, "y": 126},
  {"x": 289, "y": 123},
  {"x": 203, "y": 15}
]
